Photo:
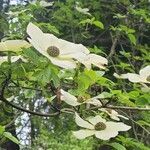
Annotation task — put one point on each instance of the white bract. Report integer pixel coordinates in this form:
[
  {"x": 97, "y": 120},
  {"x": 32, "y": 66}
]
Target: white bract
[
  {"x": 61, "y": 52},
  {"x": 143, "y": 76},
  {"x": 82, "y": 10},
  {"x": 14, "y": 45},
  {"x": 46, "y": 4},
  {"x": 13, "y": 59},
  {"x": 42, "y": 3},
  {"x": 73, "y": 101},
  {"x": 113, "y": 114},
  {"x": 16, "y": 13},
  {"x": 99, "y": 127}
]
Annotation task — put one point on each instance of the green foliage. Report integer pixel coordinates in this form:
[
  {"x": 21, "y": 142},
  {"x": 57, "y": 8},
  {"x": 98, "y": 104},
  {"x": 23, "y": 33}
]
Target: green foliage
[
  {"x": 35, "y": 83},
  {"x": 8, "y": 135},
  {"x": 92, "y": 21},
  {"x": 117, "y": 146},
  {"x": 86, "y": 79},
  {"x": 132, "y": 143},
  {"x": 62, "y": 142}
]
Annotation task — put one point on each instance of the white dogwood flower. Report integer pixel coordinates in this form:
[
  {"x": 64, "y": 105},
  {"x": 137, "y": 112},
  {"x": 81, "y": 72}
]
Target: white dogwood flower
[
  {"x": 99, "y": 127},
  {"x": 73, "y": 101},
  {"x": 61, "y": 52},
  {"x": 113, "y": 114},
  {"x": 14, "y": 45},
  {"x": 13, "y": 59},
  {"x": 143, "y": 76}
]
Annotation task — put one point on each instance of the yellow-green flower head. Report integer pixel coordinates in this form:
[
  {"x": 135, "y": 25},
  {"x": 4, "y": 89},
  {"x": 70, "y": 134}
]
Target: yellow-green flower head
[
  {"x": 14, "y": 45},
  {"x": 62, "y": 53}
]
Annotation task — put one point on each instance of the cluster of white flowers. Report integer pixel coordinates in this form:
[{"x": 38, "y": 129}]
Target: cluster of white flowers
[
  {"x": 97, "y": 126},
  {"x": 61, "y": 52},
  {"x": 66, "y": 55}
]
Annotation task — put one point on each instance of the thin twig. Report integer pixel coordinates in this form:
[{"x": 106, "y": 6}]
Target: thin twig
[
  {"x": 133, "y": 127},
  {"x": 121, "y": 107},
  {"x": 136, "y": 122},
  {"x": 113, "y": 47}
]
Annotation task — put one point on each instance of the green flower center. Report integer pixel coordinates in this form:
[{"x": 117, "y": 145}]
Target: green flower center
[
  {"x": 53, "y": 51},
  {"x": 80, "y": 99},
  {"x": 148, "y": 78},
  {"x": 100, "y": 126}
]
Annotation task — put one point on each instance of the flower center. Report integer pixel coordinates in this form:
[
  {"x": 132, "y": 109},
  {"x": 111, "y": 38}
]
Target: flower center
[
  {"x": 81, "y": 99},
  {"x": 53, "y": 51},
  {"x": 100, "y": 126},
  {"x": 148, "y": 78}
]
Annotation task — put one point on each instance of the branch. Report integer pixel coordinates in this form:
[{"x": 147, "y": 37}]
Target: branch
[
  {"x": 114, "y": 44},
  {"x": 3, "y": 99},
  {"x": 29, "y": 88},
  {"x": 128, "y": 108},
  {"x": 26, "y": 110},
  {"x": 121, "y": 107}
]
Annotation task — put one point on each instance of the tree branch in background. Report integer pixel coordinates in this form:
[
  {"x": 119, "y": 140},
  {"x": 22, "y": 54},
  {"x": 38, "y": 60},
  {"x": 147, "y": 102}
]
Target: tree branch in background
[{"x": 113, "y": 47}]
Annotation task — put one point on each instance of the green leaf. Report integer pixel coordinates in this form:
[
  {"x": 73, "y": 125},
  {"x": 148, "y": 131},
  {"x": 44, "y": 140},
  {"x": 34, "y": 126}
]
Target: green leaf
[
  {"x": 130, "y": 142},
  {"x": 47, "y": 27},
  {"x": 132, "y": 38},
  {"x": 87, "y": 78},
  {"x": 46, "y": 74},
  {"x": 2, "y": 129},
  {"x": 143, "y": 99},
  {"x": 125, "y": 99},
  {"x": 117, "y": 146},
  {"x": 105, "y": 95},
  {"x": 50, "y": 99},
  {"x": 134, "y": 94},
  {"x": 98, "y": 24},
  {"x": 31, "y": 55},
  {"x": 55, "y": 79},
  {"x": 143, "y": 123},
  {"x": 105, "y": 82},
  {"x": 43, "y": 76},
  {"x": 85, "y": 21},
  {"x": 119, "y": 16},
  {"x": 11, "y": 137}
]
